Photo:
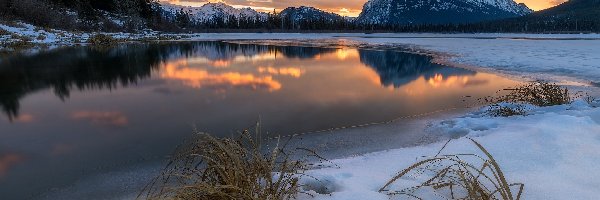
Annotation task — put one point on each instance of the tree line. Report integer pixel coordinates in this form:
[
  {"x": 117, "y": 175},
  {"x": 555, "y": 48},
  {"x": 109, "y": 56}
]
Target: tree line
[
  {"x": 135, "y": 15},
  {"x": 273, "y": 21}
]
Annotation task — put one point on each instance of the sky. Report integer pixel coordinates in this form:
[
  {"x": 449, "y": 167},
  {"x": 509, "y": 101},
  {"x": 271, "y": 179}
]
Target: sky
[{"x": 344, "y": 7}]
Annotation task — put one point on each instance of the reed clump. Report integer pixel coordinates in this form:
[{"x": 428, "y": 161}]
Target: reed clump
[
  {"x": 537, "y": 93},
  {"x": 242, "y": 168},
  {"x": 506, "y": 110},
  {"x": 453, "y": 177},
  {"x": 102, "y": 40}
]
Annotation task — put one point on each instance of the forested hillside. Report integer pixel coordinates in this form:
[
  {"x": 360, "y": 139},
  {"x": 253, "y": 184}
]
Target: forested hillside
[
  {"x": 87, "y": 15},
  {"x": 138, "y": 15},
  {"x": 574, "y": 16}
]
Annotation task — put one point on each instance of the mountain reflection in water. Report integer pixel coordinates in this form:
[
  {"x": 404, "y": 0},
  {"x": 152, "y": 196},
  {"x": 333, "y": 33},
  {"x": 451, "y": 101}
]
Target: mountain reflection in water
[
  {"x": 74, "y": 112},
  {"x": 107, "y": 69}
]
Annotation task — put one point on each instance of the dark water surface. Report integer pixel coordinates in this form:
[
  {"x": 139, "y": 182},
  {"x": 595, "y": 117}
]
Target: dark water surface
[{"x": 71, "y": 113}]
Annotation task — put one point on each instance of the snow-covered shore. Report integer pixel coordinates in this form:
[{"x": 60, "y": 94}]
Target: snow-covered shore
[
  {"x": 23, "y": 36},
  {"x": 553, "y": 151}
]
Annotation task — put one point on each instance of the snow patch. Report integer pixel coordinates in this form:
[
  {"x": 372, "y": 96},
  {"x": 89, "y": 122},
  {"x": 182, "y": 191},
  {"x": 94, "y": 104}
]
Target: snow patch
[{"x": 554, "y": 149}]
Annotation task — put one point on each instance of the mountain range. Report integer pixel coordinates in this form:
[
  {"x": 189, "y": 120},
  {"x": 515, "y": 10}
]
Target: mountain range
[
  {"x": 304, "y": 13},
  {"x": 571, "y": 16},
  {"x": 579, "y": 10},
  {"x": 402, "y": 12},
  {"x": 497, "y": 15},
  {"x": 215, "y": 11}
]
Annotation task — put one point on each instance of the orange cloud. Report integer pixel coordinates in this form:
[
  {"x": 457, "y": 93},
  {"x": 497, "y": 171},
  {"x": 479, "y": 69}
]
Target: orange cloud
[
  {"x": 289, "y": 71},
  {"x": 438, "y": 80},
  {"x": 220, "y": 63},
  {"x": 101, "y": 118},
  {"x": 199, "y": 78},
  {"x": 540, "y": 4},
  {"x": 24, "y": 118},
  {"x": 7, "y": 161}
]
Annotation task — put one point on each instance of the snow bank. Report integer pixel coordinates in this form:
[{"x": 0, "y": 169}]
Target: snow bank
[
  {"x": 34, "y": 34},
  {"x": 554, "y": 151},
  {"x": 23, "y": 32}
]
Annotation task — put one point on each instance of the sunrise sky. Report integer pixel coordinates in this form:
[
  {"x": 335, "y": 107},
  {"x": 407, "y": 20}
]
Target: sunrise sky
[{"x": 343, "y": 7}]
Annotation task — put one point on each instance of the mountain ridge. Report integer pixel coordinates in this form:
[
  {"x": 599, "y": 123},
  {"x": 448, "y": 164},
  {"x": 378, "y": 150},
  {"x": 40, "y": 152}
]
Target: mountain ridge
[
  {"x": 216, "y": 11},
  {"x": 400, "y": 12}
]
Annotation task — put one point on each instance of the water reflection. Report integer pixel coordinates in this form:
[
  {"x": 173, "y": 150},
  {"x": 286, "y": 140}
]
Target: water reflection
[
  {"x": 80, "y": 111},
  {"x": 198, "y": 78},
  {"x": 74, "y": 68},
  {"x": 101, "y": 118},
  {"x": 7, "y": 161},
  {"x": 398, "y": 68},
  {"x": 98, "y": 69}
]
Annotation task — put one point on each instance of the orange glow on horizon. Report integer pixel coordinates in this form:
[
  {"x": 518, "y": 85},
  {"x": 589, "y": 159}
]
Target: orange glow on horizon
[
  {"x": 351, "y": 8},
  {"x": 540, "y": 5}
]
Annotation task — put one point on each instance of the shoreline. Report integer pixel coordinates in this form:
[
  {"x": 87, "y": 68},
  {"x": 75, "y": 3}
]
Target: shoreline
[
  {"x": 333, "y": 145},
  {"x": 390, "y": 128}
]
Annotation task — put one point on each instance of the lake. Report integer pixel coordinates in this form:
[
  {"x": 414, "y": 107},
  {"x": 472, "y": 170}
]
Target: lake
[{"x": 70, "y": 113}]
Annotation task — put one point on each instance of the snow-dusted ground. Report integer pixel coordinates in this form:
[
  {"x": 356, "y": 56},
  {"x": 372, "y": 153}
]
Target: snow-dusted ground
[
  {"x": 553, "y": 151},
  {"x": 19, "y": 32}
]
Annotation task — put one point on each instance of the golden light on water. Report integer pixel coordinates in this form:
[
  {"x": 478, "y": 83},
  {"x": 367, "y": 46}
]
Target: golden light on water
[
  {"x": 199, "y": 78},
  {"x": 285, "y": 71},
  {"x": 342, "y": 69},
  {"x": 101, "y": 118},
  {"x": 342, "y": 54},
  {"x": 439, "y": 80},
  {"x": 221, "y": 63},
  {"x": 8, "y": 161}
]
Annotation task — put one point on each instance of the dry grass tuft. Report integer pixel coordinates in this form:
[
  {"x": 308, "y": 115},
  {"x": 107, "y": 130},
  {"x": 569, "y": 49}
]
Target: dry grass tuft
[
  {"x": 451, "y": 177},
  {"x": 538, "y": 93},
  {"x": 102, "y": 40},
  {"x": 506, "y": 110},
  {"x": 228, "y": 168},
  {"x": 4, "y": 32}
]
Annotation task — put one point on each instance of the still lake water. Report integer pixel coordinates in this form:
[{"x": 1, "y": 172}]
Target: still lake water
[{"x": 75, "y": 112}]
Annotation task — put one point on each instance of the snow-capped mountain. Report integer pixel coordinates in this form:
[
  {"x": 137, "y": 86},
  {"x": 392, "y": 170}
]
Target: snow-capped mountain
[
  {"x": 309, "y": 14},
  {"x": 216, "y": 11},
  {"x": 390, "y": 12}
]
